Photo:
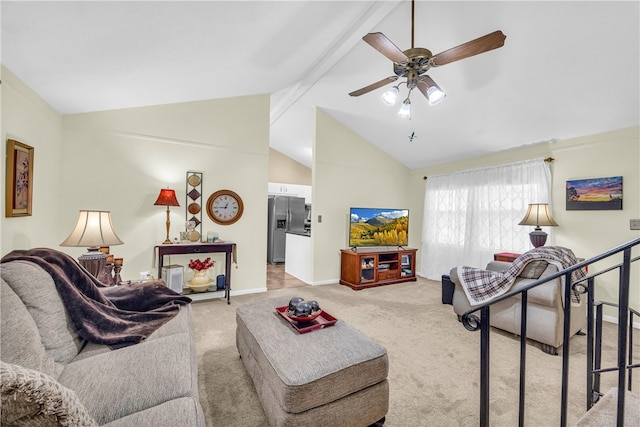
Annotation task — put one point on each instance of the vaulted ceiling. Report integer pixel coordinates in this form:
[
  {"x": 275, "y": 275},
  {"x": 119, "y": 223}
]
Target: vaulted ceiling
[{"x": 566, "y": 69}]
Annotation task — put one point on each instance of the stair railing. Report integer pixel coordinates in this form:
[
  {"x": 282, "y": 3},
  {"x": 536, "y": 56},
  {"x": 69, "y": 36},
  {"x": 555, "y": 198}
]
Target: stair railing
[
  {"x": 594, "y": 343},
  {"x": 473, "y": 322}
]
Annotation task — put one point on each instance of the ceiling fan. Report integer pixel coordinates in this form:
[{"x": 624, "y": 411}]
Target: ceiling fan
[{"x": 415, "y": 62}]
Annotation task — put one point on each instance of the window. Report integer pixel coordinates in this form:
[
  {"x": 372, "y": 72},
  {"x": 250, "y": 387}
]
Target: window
[{"x": 470, "y": 215}]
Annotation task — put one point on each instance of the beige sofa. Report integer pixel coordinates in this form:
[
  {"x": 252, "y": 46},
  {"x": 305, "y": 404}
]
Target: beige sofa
[
  {"x": 51, "y": 376},
  {"x": 544, "y": 311}
]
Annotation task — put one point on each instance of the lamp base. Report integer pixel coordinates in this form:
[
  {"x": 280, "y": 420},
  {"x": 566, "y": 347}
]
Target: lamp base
[
  {"x": 167, "y": 241},
  {"x": 93, "y": 261},
  {"x": 538, "y": 238}
]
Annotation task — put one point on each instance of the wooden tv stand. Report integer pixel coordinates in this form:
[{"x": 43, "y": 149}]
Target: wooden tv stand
[{"x": 369, "y": 267}]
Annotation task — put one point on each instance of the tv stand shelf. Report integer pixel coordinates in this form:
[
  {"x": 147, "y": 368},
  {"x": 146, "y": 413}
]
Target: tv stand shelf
[{"x": 369, "y": 267}]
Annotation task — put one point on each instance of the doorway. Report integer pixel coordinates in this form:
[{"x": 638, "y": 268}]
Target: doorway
[{"x": 278, "y": 279}]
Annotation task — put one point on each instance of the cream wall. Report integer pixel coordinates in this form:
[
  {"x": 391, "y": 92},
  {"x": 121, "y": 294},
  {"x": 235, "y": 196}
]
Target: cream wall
[
  {"x": 28, "y": 119},
  {"x": 587, "y": 233},
  {"x": 286, "y": 170},
  {"x": 348, "y": 171},
  {"x": 118, "y": 161}
]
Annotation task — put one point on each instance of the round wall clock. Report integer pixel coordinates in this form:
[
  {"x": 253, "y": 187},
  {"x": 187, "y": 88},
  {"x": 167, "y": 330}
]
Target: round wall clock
[{"x": 224, "y": 207}]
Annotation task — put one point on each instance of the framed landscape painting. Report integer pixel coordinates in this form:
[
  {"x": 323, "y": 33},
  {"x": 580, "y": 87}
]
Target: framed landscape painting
[
  {"x": 19, "y": 179},
  {"x": 594, "y": 194}
]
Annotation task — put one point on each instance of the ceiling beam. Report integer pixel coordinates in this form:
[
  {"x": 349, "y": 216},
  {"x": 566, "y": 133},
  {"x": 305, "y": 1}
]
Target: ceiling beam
[{"x": 371, "y": 14}]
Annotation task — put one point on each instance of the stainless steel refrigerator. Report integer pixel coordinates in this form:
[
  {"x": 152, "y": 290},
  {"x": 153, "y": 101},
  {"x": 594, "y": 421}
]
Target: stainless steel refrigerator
[{"x": 286, "y": 214}]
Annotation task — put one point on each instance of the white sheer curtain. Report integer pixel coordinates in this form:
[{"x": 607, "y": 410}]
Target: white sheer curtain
[{"x": 470, "y": 215}]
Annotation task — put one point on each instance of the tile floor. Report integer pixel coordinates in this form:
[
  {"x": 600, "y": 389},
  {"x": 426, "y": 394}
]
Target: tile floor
[{"x": 277, "y": 278}]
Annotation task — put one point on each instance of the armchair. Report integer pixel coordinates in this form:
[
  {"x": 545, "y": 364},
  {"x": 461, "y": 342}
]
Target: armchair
[{"x": 545, "y": 305}]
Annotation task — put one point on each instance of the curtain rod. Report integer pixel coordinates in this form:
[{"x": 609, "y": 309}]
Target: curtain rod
[{"x": 548, "y": 160}]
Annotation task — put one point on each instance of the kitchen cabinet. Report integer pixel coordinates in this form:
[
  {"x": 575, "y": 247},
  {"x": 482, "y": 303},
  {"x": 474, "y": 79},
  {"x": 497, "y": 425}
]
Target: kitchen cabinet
[{"x": 278, "y": 188}]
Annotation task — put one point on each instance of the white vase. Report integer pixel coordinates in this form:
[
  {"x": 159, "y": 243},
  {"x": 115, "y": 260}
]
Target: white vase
[{"x": 200, "y": 281}]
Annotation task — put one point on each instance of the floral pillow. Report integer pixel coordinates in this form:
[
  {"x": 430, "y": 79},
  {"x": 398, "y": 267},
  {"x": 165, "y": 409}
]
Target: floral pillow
[{"x": 31, "y": 398}]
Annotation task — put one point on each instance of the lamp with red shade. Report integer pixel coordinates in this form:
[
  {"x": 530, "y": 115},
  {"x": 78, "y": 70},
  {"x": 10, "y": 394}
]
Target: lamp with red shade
[{"x": 167, "y": 197}]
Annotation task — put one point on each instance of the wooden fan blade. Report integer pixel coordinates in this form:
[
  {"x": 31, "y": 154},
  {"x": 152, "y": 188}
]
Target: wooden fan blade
[
  {"x": 474, "y": 47},
  {"x": 373, "y": 86},
  {"x": 424, "y": 83},
  {"x": 382, "y": 44}
]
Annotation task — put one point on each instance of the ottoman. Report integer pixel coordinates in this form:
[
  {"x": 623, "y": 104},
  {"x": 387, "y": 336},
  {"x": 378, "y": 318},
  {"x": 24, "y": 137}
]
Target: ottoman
[{"x": 335, "y": 376}]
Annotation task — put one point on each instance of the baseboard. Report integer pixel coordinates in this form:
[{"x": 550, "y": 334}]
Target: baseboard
[
  {"x": 248, "y": 291},
  {"x": 205, "y": 296},
  {"x": 325, "y": 282},
  {"x": 614, "y": 320}
]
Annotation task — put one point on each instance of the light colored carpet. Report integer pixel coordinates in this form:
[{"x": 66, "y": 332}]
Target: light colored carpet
[
  {"x": 604, "y": 413},
  {"x": 433, "y": 360}
]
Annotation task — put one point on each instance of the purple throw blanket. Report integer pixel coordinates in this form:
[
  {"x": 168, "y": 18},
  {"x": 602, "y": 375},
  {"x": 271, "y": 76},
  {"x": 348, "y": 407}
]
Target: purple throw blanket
[
  {"x": 483, "y": 285},
  {"x": 116, "y": 316}
]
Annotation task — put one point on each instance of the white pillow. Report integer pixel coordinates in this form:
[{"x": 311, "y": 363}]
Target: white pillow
[{"x": 31, "y": 398}]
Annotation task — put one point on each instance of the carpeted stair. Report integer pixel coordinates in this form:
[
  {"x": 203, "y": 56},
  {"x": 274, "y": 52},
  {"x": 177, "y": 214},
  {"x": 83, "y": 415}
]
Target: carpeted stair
[{"x": 603, "y": 413}]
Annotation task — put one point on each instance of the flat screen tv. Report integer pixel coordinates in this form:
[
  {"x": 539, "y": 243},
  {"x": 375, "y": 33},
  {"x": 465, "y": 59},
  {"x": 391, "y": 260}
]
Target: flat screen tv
[{"x": 378, "y": 227}]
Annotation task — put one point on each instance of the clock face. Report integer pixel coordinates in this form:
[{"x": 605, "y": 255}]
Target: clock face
[{"x": 224, "y": 207}]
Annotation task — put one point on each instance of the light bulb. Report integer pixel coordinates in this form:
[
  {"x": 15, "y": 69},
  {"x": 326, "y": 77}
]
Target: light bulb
[
  {"x": 435, "y": 95},
  {"x": 389, "y": 97},
  {"x": 405, "y": 109}
]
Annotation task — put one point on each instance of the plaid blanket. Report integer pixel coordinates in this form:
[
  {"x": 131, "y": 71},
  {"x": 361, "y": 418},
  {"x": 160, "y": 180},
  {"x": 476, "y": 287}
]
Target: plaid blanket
[{"x": 483, "y": 285}]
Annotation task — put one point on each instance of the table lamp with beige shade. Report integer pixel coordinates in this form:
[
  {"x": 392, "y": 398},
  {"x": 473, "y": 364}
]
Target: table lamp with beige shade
[
  {"x": 538, "y": 214},
  {"x": 93, "y": 230}
]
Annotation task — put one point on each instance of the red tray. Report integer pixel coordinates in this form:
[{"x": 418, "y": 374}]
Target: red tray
[{"x": 322, "y": 321}]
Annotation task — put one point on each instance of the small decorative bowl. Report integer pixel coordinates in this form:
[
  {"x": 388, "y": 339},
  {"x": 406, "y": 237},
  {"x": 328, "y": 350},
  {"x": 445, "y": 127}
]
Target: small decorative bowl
[
  {"x": 305, "y": 318},
  {"x": 199, "y": 287}
]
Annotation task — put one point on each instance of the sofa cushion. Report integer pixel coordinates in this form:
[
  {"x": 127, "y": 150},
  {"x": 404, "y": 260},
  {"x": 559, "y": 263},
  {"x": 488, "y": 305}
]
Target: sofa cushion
[
  {"x": 134, "y": 378},
  {"x": 184, "y": 411},
  {"x": 548, "y": 294},
  {"x": 496, "y": 266},
  {"x": 32, "y": 398},
  {"x": 181, "y": 323},
  {"x": 21, "y": 342},
  {"x": 38, "y": 292}
]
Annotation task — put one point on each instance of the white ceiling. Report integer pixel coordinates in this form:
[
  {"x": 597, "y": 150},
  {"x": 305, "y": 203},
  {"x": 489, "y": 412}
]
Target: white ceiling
[{"x": 567, "y": 68}]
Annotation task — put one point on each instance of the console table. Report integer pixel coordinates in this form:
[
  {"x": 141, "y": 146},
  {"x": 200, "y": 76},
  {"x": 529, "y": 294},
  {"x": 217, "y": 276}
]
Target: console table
[{"x": 201, "y": 248}]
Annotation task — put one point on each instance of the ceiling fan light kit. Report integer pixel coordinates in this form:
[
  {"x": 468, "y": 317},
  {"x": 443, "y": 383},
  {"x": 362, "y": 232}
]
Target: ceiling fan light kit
[
  {"x": 405, "y": 108},
  {"x": 435, "y": 95},
  {"x": 390, "y": 96},
  {"x": 415, "y": 62}
]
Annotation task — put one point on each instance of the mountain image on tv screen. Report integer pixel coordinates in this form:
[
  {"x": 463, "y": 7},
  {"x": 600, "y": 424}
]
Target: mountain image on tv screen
[{"x": 378, "y": 227}]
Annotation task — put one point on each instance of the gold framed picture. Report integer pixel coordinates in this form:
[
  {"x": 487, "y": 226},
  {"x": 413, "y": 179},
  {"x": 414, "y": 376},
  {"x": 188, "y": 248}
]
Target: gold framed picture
[{"x": 19, "y": 179}]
